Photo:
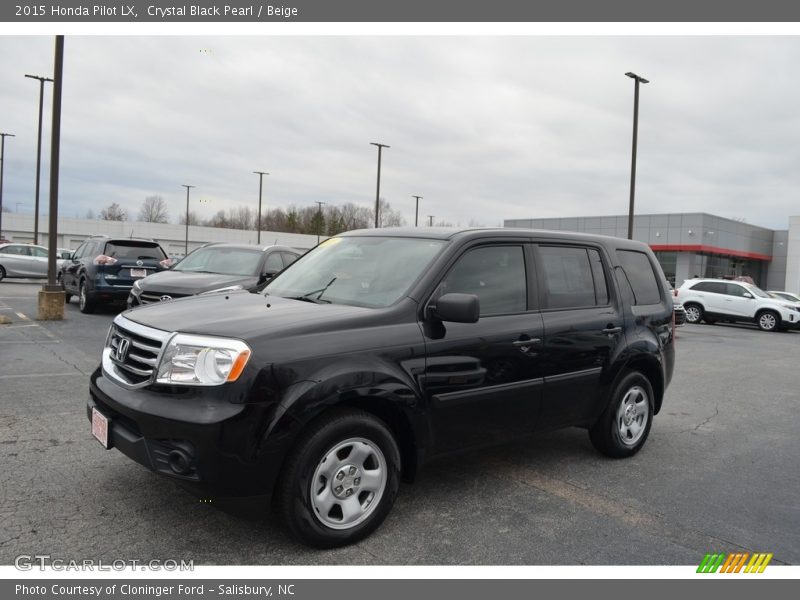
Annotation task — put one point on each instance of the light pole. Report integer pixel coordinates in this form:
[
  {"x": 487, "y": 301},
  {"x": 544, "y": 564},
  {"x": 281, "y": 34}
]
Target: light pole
[
  {"x": 319, "y": 219},
  {"x": 378, "y": 191},
  {"x": 416, "y": 213},
  {"x": 38, "y": 156},
  {"x": 3, "y": 137},
  {"x": 637, "y": 80},
  {"x": 260, "y": 188},
  {"x": 430, "y": 220},
  {"x": 188, "y": 187}
]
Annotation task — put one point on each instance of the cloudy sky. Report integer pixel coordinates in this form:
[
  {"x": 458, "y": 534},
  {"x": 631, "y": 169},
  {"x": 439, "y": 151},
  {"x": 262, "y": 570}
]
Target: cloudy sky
[{"x": 484, "y": 128}]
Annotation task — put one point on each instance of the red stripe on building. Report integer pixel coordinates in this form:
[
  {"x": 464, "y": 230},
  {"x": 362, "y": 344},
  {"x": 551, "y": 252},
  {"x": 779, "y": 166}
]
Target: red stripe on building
[{"x": 708, "y": 250}]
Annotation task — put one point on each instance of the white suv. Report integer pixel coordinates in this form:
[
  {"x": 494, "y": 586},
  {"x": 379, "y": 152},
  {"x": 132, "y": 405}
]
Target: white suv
[{"x": 714, "y": 300}]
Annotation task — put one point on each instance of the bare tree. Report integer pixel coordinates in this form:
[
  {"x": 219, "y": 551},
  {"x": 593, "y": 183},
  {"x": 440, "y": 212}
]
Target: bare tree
[
  {"x": 154, "y": 210},
  {"x": 242, "y": 217},
  {"x": 218, "y": 220},
  {"x": 387, "y": 217},
  {"x": 193, "y": 219},
  {"x": 114, "y": 213}
]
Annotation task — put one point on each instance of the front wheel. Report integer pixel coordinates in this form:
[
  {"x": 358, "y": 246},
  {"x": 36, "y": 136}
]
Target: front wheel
[
  {"x": 2, "y": 273},
  {"x": 768, "y": 321},
  {"x": 622, "y": 429},
  {"x": 341, "y": 480}
]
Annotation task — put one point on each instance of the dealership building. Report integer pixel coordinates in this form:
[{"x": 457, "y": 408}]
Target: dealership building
[{"x": 698, "y": 244}]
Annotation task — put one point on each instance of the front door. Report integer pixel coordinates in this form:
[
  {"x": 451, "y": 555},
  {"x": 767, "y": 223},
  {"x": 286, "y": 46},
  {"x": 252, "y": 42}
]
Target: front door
[{"x": 483, "y": 380}]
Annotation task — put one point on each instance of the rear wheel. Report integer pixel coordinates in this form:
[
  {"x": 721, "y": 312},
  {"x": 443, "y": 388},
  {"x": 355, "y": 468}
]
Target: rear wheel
[
  {"x": 694, "y": 313},
  {"x": 2, "y": 273},
  {"x": 622, "y": 429},
  {"x": 340, "y": 481},
  {"x": 768, "y": 320},
  {"x": 87, "y": 304}
]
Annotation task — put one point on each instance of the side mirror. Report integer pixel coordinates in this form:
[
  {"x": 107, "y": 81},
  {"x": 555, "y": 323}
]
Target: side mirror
[
  {"x": 268, "y": 274},
  {"x": 748, "y": 295},
  {"x": 457, "y": 308}
]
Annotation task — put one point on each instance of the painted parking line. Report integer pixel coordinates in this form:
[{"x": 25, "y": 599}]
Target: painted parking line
[{"x": 22, "y": 316}]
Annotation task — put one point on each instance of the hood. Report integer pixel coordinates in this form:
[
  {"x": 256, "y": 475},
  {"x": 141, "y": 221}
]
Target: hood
[
  {"x": 188, "y": 283},
  {"x": 245, "y": 316}
]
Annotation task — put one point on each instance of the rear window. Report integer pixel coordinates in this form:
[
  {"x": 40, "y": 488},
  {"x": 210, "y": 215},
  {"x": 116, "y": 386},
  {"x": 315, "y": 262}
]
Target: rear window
[
  {"x": 574, "y": 277},
  {"x": 642, "y": 277},
  {"x": 134, "y": 250}
]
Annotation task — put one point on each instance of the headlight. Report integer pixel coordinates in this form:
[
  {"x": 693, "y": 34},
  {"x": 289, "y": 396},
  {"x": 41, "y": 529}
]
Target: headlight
[
  {"x": 790, "y": 306},
  {"x": 200, "y": 360},
  {"x": 231, "y": 288}
]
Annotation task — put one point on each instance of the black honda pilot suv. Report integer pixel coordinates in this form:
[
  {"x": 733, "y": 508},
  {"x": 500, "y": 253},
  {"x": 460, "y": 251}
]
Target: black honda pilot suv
[{"x": 379, "y": 350}]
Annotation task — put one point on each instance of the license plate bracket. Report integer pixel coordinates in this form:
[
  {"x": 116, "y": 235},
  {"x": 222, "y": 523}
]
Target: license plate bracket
[{"x": 100, "y": 424}]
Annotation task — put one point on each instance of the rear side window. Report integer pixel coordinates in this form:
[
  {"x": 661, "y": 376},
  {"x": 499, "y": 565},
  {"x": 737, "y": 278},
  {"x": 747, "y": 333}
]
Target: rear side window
[
  {"x": 713, "y": 287},
  {"x": 573, "y": 277},
  {"x": 641, "y": 276},
  {"x": 134, "y": 250},
  {"x": 495, "y": 274}
]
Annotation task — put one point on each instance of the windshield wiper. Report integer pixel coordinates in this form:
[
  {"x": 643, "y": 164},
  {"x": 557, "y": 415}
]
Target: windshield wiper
[{"x": 318, "y": 300}]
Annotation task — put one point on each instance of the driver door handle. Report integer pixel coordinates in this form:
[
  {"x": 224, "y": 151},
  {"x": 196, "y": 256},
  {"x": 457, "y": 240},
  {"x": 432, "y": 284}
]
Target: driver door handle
[{"x": 612, "y": 330}]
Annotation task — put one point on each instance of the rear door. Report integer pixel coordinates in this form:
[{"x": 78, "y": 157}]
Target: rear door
[
  {"x": 483, "y": 380},
  {"x": 583, "y": 330}
]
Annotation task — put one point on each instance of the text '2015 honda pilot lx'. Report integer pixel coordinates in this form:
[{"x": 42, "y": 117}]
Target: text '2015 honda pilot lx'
[{"x": 379, "y": 350}]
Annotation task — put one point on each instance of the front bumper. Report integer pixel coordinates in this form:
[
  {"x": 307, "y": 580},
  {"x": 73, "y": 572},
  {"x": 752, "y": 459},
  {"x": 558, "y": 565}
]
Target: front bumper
[{"x": 192, "y": 435}]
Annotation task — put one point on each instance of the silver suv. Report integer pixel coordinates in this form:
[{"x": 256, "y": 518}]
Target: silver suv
[{"x": 713, "y": 300}]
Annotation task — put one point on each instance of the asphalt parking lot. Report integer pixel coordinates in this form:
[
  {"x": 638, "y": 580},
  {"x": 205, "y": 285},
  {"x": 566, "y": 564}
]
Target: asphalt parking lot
[{"x": 719, "y": 472}]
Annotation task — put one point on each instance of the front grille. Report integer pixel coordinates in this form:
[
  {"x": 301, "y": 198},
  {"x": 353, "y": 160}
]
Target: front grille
[
  {"x": 150, "y": 297},
  {"x": 133, "y": 351}
]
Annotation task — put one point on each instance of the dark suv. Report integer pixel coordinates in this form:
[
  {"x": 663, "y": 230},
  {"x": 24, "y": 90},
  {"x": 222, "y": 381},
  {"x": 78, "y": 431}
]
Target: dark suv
[
  {"x": 215, "y": 267},
  {"x": 104, "y": 269},
  {"x": 379, "y": 350}
]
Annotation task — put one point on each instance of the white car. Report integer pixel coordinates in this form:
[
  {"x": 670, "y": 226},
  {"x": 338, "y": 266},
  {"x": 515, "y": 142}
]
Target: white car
[
  {"x": 712, "y": 300},
  {"x": 788, "y": 296}
]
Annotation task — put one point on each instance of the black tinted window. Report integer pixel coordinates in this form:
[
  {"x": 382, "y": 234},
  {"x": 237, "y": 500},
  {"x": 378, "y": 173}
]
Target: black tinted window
[
  {"x": 642, "y": 277},
  {"x": 134, "y": 250},
  {"x": 496, "y": 275},
  {"x": 573, "y": 277},
  {"x": 715, "y": 287},
  {"x": 735, "y": 290}
]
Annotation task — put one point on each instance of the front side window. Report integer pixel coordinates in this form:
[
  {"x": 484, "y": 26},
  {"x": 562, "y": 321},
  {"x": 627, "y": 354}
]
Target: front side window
[
  {"x": 573, "y": 277},
  {"x": 38, "y": 252},
  {"x": 274, "y": 263},
  {"x": 360, "y": 271},
  {"x": 495, "y": 274},
  {"x": 735, "y": 290}
]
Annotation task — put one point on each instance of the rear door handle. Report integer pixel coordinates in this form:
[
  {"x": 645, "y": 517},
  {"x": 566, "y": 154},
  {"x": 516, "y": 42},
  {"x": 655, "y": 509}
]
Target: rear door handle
[
  {"x": 526, "y": 343},
  {"x": 612, "y": 330}
]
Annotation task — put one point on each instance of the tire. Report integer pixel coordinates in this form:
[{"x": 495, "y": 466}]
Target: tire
[
  {"x": 2, "y": 273},
  {"x": 694, "y": 313},
  {"x": 622, "y": 429},
  {"x": 768, "y": 320},
  {"x": 708, "y": 321},
  {"x": 345, "y": 446},
  {"x": 85, "y": 302}
]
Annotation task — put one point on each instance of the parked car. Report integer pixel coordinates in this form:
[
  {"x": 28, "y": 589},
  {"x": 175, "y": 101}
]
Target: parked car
[
  {"x": 103, "y": 269},
  {"x": 788, "y": 296},
  {"x": 214, "y": 268},
  {"x": 713, "y": 300},
  {"x": 379, "y": 350},
  {"x": 677, "y": 307},
  {"x": 22, "y": 260}
]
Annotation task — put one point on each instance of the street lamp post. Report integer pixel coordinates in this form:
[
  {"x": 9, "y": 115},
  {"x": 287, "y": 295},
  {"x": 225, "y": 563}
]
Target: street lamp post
[
  {"x": 378, "y": 191},
  {"x": 38, "y": 156},
  {"x": 188, "y": 187},
  {"x": 416, "y": 212},
  {"x": 3, "y": 137},
  {"x": 260, "y": 188},
  {"x": 637, "y": 80},
  {"x": 319, "y": 218},
  {"x": 430, "y": 220}
]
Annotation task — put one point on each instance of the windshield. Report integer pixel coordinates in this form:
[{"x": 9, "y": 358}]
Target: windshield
[
  {"x": 219, "y": 259},
  {"x": 756, "y": 291},
  {"x": 359, "y": 271}
]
